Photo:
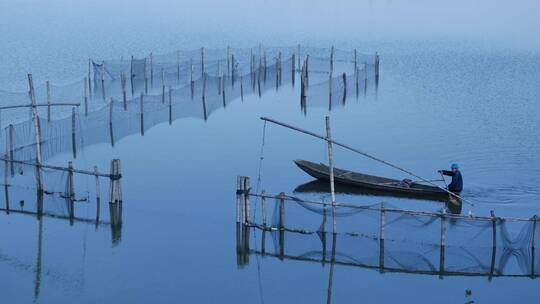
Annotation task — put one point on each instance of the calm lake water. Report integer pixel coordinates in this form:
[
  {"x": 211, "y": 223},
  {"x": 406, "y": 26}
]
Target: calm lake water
[{"x": 440, "y": 100}]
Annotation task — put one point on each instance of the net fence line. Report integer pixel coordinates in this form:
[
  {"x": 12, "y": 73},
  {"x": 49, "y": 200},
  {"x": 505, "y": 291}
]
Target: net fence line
[
  {"x": 127, "y": 78},
  {"x": 381, "y": 235},
  {"x": 406, "y": 258},
  {"x": 120, "y": 117},
  {"x": 381, "y": 206}
]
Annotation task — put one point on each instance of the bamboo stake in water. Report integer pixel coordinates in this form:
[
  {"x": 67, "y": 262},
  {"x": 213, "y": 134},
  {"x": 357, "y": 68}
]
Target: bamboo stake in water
[
  {"x": 85, "y": 98},
  {"x": 111, "y": 129},
  {"x": 170, "y": 106},
  {"x": 73, "y": 133},
  {"x": 98, "y": 194},
  {"x": 141, "y": 107},
  {"x": 48, "y": 84},
  {"x": 11, "y": 149},
  {"x": 151, "y": 70},
  {"x": 331, "y": 166},
  {"x": 89, "y": 81},
  {"x": 37, "y": 135}
]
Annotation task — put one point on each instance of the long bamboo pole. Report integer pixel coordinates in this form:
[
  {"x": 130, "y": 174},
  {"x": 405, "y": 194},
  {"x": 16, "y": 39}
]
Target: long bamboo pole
[{"x": 364, "y": 154}]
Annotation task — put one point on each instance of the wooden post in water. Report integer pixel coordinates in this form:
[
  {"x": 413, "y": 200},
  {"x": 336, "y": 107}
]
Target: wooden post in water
[
  {"x": 443, "y": 242},
  {"x": 48, "y": 84},
  {"x": 280, "y": 68},
  {"x": 170, "y": 106},
  {"x": 162, "y": 77},
  {"x": 246, "y": 200},
  {"x": 344, "y": 87},
  {"x": 103, "y": 81},
  {"x": 177, "y": 67},
  {"x": 192, "y": 81},
  {"x": 377, "y": 67},
  {"x": 71, "y": 189},
  {"x": 145, "y": 78},
  {"x": 11, "y": 150},
  {"x": 204, "y": 97},
  {"x": 141, "y": 107},
  {"x": 281, "y": 225},
  {"x": 331, "y": 166},
  {"x": 239, "y": 194},
  {"x": 37, "y": 135},
  {"x": 263, "y": 209},
  {"x": 251, "y": 68},
  {"x": 163, "y": 94},
  {"x": 98, "y": 194},
  {"x": 115, "y": 189},
  {"x": 356, "y": 76},
  {"x": 219, "y": 77},
  {"x": 73, "y": 133},
  {"x": 85, "y": 98},
  {"x": 202, "y": 63},
  {"x": 111, "y": 129},
  {"x": 124, "y": 93},
  {"x": 233, "y": 70},
  {"x": 151, "y": 71},
  {"x": 265, "y": 66},
  {"x": 131, "y": 77},
  {"x": 241, "y": 87},
  {"x": 355, "y": 61},
  {"x": 228, "y": 61},
  {"x": 89, "y": 78},
  {"x": 381, "y": 240},
  {"x": 293, "y": 70},
  {"x": 6, "y": 182}
]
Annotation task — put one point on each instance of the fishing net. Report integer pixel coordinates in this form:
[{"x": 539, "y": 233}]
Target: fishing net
[{"x": 394, "y": 240}]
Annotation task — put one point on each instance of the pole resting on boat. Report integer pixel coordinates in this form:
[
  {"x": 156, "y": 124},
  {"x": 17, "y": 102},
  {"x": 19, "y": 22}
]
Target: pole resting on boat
[{"x": 364, "y": 154}]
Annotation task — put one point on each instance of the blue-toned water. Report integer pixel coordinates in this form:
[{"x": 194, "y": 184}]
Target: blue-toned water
[{"x": 452, "y": 89}]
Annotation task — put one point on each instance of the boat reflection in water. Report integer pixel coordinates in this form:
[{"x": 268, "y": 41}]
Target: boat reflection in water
[{"x": 454, "y": 205}]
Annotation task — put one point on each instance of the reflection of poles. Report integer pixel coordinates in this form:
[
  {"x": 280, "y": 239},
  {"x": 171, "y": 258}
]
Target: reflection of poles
[
  {"x": 331, "y": 274},
  {"x": 141, "y": 107},
  {"x": 381, "y": 241},
  {"x": 443, "y": 243},
  {"x": 170, "y": 106},
  {"x": 533, "y": 246},
  {"x": 242, "y": 245},
  {"x": 323, "y": 236},
  {"x": 115, "y": 201},
  {"x": 281, "y": 225},
  {"x": 331, "y": 166},
  {"x": 494, "y": 242},
  {"x": 37, "y": 282},
  {"x": 98, "y": 196},
  {"x": 111, "y": 130}
]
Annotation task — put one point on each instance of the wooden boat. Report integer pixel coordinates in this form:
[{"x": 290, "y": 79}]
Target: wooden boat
[{"x": 371, "y": 182}]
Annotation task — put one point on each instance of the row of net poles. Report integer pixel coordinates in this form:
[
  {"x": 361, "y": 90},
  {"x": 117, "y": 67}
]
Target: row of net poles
[
  {"x": 203, "y": 87},
  {"x": 304, "y": 84}
]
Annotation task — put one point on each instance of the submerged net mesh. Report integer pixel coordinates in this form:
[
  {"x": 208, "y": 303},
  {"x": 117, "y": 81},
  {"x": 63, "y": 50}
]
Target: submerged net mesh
[{"x": 394, "y": 240}]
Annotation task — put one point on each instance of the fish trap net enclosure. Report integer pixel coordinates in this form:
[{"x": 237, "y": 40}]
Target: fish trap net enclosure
[{"x": 387, "y": 238}]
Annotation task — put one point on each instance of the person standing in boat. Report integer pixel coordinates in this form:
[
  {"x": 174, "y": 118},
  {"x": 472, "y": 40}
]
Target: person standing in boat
[{"x": 456, "y": 185}]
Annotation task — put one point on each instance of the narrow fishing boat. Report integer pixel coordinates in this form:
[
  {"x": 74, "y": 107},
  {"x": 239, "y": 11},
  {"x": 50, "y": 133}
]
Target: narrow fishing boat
[{"x": 370, "y": 182}]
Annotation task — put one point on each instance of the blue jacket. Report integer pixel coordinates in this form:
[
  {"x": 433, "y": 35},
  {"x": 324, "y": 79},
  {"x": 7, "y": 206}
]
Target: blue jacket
[{"x": 457, "y": 180}]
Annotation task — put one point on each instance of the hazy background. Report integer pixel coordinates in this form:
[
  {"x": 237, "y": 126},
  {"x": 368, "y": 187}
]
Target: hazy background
[{"x": 66, "y": 33}]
